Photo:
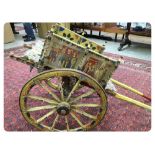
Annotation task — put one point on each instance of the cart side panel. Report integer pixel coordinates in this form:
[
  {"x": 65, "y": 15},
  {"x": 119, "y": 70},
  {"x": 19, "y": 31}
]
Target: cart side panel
[
  {"x": 59, "y": 53},
  {"x": 76, "y": 38},
  {"x": 101, "y": 68}
]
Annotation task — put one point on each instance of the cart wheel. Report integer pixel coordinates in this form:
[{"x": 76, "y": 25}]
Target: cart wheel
[{"x": 44, "y": 105}]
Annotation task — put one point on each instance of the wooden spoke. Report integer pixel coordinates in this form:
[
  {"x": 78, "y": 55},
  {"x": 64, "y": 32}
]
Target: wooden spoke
[
  {"x": 45, "y": 116},
  {"x": 76, "y": 129},
  {"x": 82, "y": 96},
  {"x": 61, "y": 89},
  {"x": 86, "y": 105},
  {"x": 85, "y": 114},
  {"x": 56, "y": 130},
  {"x": 45, "y": 126},
  {"x": 40, "y": 108},
  {"x": 42, "y": 99},
  {"x": 52, "y": 85},
  {"x": 49, "y": 91},
  {"x": 49, "y": 128},
  {"x": 78, "y": 88},
  {"x": 67, "y": 125},
  {"x": 73, "y": 89},
  {"x": 78, "y": 121},
  {"x": 54, "y": 122}
]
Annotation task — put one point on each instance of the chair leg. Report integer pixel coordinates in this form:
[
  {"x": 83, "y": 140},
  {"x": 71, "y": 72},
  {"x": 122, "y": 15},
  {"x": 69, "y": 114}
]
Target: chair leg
[
  {"x": 123, "y": 37},
  {"x": 116, "y": 37}
]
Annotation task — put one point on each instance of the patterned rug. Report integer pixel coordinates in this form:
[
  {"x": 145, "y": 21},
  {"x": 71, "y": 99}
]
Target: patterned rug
[{"x": 120, "y": 116}]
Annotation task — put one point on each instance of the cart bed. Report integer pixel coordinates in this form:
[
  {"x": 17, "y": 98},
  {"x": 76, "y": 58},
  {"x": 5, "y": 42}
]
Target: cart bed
[{"x": 61, "y": 52}]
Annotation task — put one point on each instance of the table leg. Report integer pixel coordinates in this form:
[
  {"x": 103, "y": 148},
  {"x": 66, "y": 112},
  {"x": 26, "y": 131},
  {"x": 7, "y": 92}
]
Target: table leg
[
  {"x": 126, "y": 40},
  {"x": 99, "y": 33},
  {"x": 116, "y": 37}
]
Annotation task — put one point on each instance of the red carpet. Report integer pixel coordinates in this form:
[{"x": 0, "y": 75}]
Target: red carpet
[{"x": 120, "y": 116}]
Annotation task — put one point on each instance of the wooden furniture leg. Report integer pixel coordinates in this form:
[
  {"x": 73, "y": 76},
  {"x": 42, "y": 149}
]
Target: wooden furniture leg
[
  {"x": 126, "y": 41},
  {"x": 116, "y": 37}
]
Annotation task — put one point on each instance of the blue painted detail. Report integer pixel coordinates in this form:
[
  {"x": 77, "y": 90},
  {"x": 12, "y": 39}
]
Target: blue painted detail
[
  {"x": 83, "y": 40},
  {"x": 61, "y": 29}
]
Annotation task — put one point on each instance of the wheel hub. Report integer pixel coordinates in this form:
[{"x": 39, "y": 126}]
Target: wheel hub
[{"x": 63, "y": 108}]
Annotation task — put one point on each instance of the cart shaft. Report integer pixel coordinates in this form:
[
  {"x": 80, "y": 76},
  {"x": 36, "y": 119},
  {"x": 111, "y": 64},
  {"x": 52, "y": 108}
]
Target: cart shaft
[
  {"x": 130, "y": 88},
  {"x": 130, "y": 100}
]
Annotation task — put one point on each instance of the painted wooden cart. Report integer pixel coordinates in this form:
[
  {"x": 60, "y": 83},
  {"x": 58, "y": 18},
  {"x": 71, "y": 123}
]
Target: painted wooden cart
[{"x": 69, "y": 93}]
